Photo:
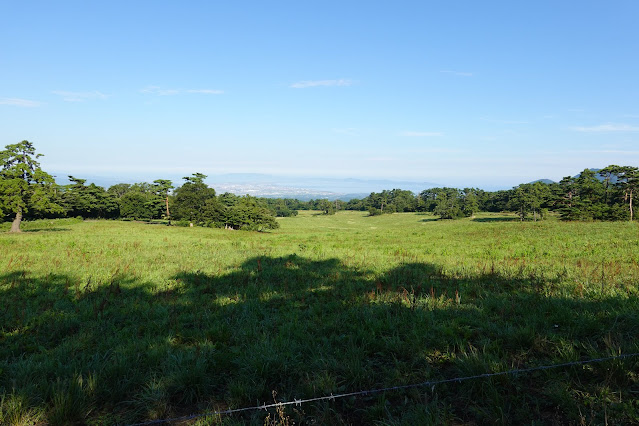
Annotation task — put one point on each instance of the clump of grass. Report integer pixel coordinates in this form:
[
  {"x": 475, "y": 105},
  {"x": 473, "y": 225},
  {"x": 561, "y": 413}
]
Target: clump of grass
[
  {"x": 72, "y": 401},
  {"x": 15, "y": 409}
]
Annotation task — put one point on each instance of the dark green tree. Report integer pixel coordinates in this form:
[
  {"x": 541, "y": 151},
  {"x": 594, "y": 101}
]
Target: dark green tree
[
  {"x": 609, "y": 179},
  {"x": 119, "y": 189},
  {"x": 228, "y": 199},
  {"x": 326, "y": 207},
  {"x": 138, "y": 205},
  {"x": 191, "y": 198},
  {"x": 214, "y": 213},
  {"x": 24, "y": 186},
  {"x": 196, "y": 178},
  {"x": 281, "y": 207},
  {"x": 162, "y": 188},
  {"x": 627, "y": 182},
  {"x": 355, "y": 204},
  {"x": 379, "y": 200},
  {"x": 89, "y": 201},
  {"x": 250, "y": 215},
  {"x": 448, "y": 204},
  {"x": 403, "y": 200},
  {"x": 428, "y": 198},
  {"x": 498, "y": 201},
  {"x": 74, "y": 198},
  {"x": 470, "y": 202},
  {"x": 141, "y": 200},
  {"x": 582, "y": 197}
]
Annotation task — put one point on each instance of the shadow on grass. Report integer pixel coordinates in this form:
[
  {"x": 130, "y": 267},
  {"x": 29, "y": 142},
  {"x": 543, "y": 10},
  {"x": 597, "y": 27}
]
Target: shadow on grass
[
  {"x": 496, "y": 219},
  {"x": 125, "y": 350},
  {"x": 46, "y": 230},
  {"x": 430, "y": 219}
]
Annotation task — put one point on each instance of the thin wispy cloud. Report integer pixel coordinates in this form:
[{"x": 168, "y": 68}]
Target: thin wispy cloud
[
  {"x": 609, "y": 127},
  {"x": 458, "y": 73},
  {"x": 25, "y": 103},
  {"x": 79, "y": 96},
  {"x": 320, "y": 83},
  {"x": 411, "y": 134},
  {"x": 156, "y": 90}
]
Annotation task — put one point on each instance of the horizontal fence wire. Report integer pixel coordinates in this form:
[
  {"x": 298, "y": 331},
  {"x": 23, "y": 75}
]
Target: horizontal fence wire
[{"x": 430, "y": 383}]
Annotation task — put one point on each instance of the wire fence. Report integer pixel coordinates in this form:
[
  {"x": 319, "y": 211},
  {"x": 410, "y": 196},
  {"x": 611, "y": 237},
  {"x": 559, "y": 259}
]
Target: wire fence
[{"x": 430, "y": 383}]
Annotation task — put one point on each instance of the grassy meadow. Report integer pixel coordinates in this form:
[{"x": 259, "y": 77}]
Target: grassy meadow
[{"x": 109, "y": 322}]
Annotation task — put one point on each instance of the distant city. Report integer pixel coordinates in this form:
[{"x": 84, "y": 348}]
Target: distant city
[{"x": 272, "y": 186}]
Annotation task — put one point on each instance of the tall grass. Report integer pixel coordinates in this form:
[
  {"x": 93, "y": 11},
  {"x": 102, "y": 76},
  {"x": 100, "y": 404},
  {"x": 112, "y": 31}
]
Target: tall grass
[{"x": 117, "y": 322}]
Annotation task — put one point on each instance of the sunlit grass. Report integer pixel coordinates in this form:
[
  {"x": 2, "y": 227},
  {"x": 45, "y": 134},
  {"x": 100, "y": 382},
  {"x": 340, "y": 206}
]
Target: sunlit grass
[{"x": 115, "y": 322}]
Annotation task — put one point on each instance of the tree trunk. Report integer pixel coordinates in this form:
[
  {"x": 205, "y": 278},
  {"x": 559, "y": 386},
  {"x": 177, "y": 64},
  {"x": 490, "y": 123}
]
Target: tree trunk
[
  {"x": 168, "y": 216},
  {"x": 630, "y": 205},
  {"x": 15, "y": 226}
]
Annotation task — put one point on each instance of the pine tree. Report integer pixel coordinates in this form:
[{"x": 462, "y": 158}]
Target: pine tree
[
  {"x": 627, "y": 182},
  {"x": 24, "y": 186}
]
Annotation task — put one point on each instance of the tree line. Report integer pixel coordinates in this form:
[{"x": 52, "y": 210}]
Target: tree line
[
  {"x": 605, "y": 194},
  {"x": 26, "y": 191}
]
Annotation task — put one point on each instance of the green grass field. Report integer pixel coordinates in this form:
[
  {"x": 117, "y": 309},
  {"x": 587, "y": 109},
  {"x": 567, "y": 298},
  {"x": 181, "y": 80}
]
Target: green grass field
[{"x": 107, "y": 322}]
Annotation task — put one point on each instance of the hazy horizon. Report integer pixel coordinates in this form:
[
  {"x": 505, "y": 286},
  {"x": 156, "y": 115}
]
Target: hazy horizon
[{"x": 346, "y": 185}]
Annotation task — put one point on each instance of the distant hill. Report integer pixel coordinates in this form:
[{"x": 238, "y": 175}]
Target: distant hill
[
  {"x": 546, "y": 181},
  {"x": 613, "y": 179}
]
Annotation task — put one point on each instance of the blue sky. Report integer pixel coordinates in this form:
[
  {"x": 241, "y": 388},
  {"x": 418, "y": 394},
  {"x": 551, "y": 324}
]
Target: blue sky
[{"x": 461, "y": 93}]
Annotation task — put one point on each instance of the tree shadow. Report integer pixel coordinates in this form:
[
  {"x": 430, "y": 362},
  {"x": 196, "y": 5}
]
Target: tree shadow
[
  {"x": 430, "y": 219},
  {"x": 495, "y": 219},
  {"x": 124, "y": 350},
  {"x": 55, "y": 229}
]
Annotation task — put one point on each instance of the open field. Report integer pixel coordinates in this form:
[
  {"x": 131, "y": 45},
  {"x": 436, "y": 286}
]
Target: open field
[{"x": 118, "y": 322}]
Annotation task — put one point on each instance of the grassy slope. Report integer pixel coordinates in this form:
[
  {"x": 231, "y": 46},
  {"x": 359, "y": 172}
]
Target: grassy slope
[{"x": 110, "y": 322}]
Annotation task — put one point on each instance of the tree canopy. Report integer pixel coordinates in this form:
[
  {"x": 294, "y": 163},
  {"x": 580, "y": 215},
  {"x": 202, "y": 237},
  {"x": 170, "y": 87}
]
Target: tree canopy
[
  {"x": 191, "y": 198},
  {"x": 88, "y": 201},
  {"x": 24, "y": 186}
]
